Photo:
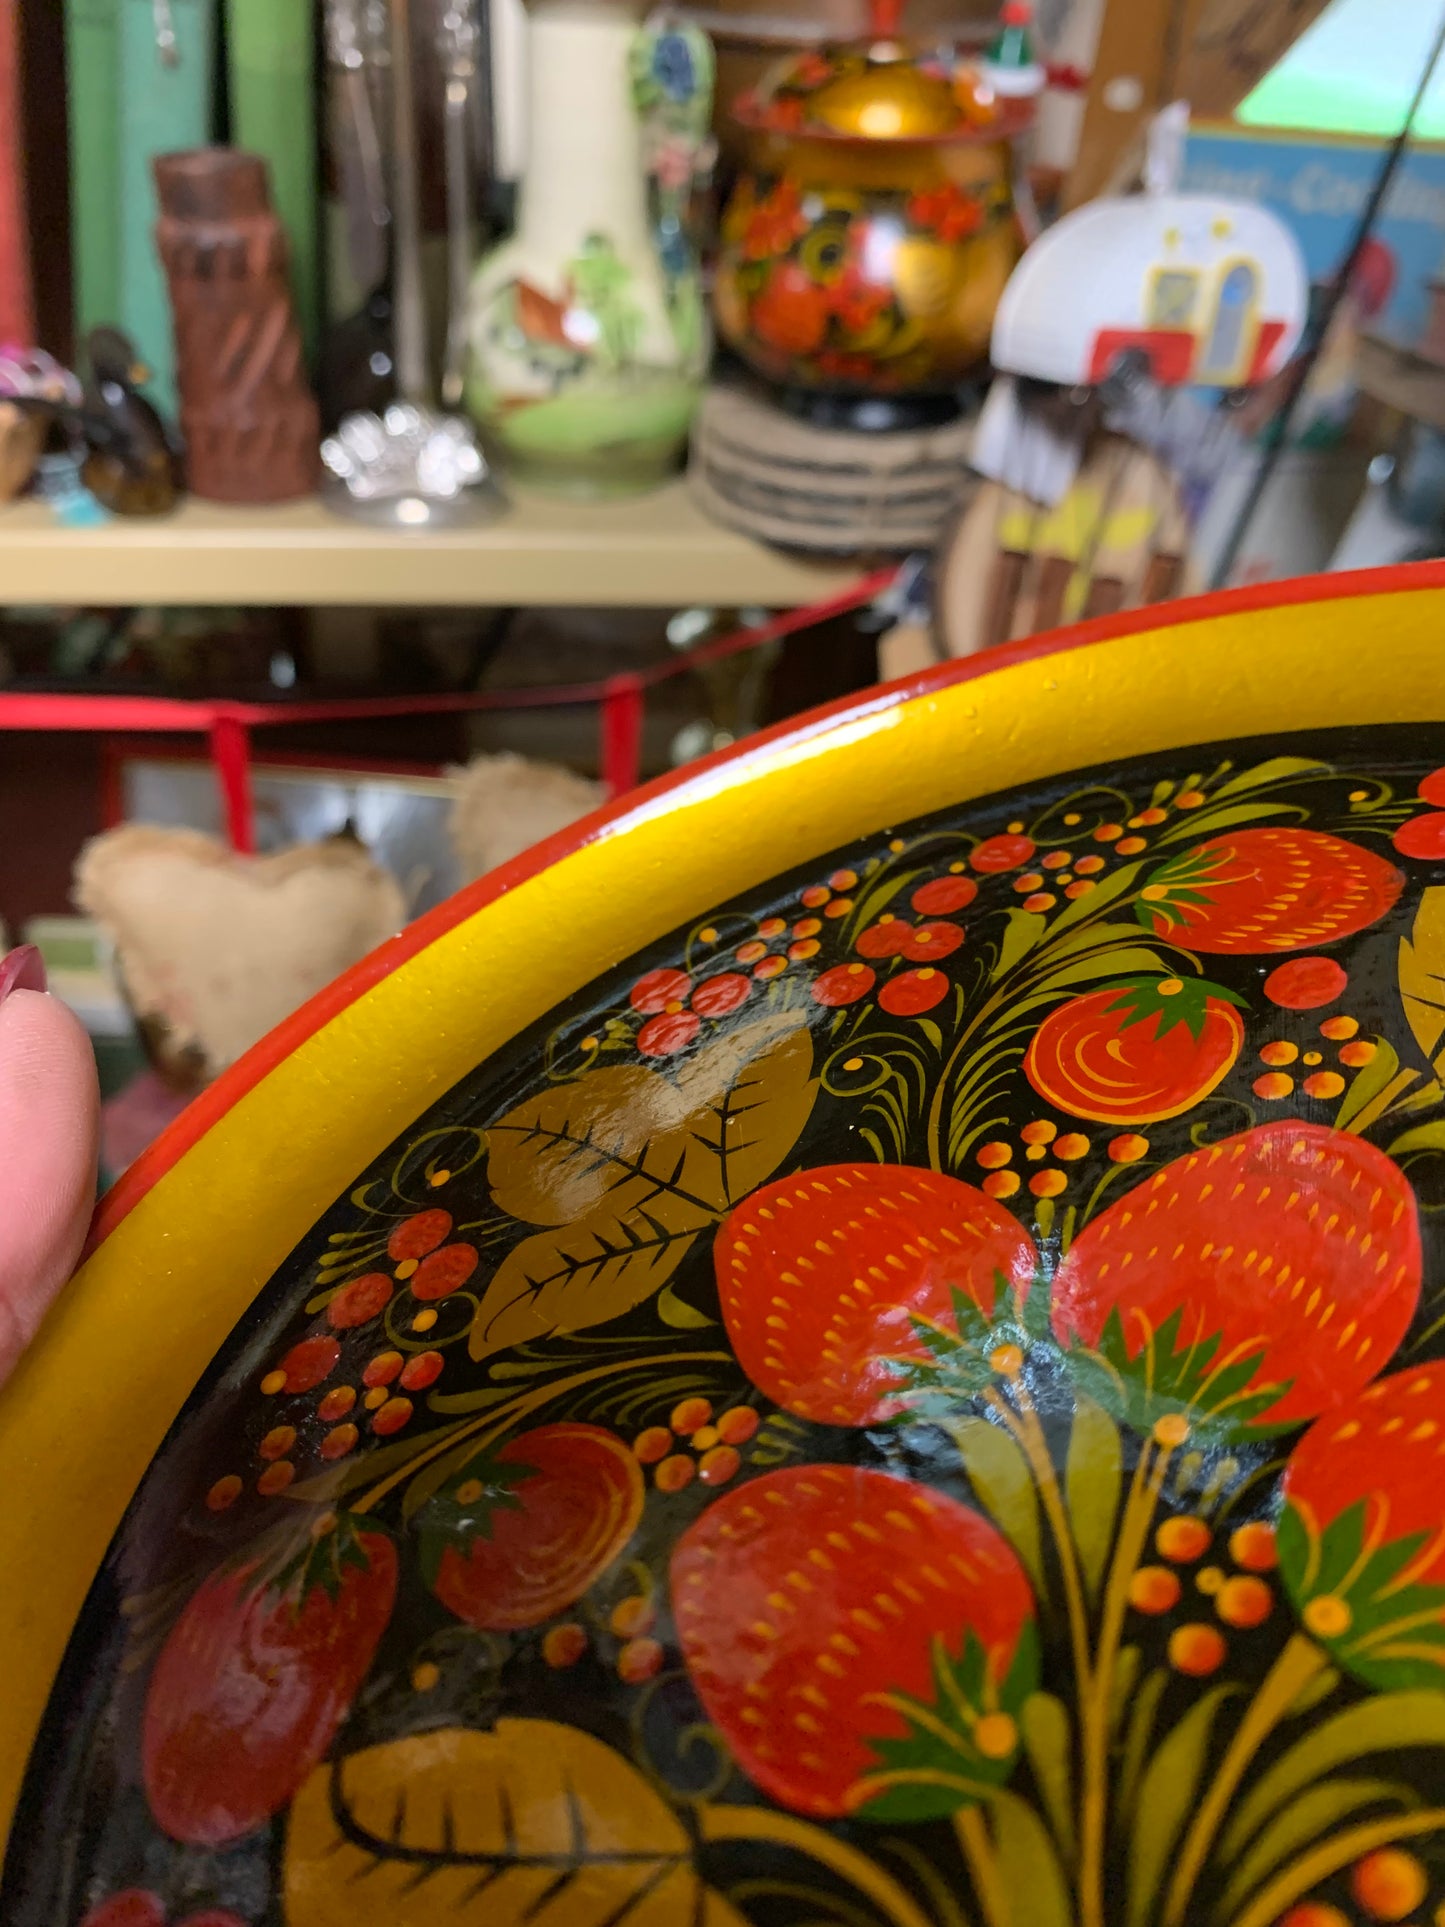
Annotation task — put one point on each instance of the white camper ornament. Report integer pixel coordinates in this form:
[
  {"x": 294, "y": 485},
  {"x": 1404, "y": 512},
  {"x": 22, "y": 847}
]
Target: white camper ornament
[{"x": 1180, "y": 290}]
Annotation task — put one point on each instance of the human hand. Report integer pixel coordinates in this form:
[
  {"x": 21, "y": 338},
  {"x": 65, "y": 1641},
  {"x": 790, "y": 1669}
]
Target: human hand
[{"x": 49, "y": 1124}]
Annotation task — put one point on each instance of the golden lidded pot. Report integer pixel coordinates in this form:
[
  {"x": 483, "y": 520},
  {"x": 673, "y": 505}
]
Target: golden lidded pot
[{"x": 869, "y": 236}]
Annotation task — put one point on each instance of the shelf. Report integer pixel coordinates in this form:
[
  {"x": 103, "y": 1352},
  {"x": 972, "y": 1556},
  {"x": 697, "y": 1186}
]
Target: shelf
[{"x": 655, "y": 550}]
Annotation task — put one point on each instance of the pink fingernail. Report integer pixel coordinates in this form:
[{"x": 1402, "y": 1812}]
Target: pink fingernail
[{"x": 23, "y": 969}]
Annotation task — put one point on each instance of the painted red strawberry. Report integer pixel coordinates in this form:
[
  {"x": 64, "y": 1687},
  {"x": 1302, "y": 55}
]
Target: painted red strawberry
[
  {"x": 1292, "y": 1245},
  {"x": 255, "y": 1678},
  {"x": 1137, "y": 1051},
  {"x": 1268, "y": 889},
  {"x": 861, "y": 1643},
  {"x": 821, "y": 1277},
  {"x": 1361, "y": 1540},
  {"x": 518, "y": 1535}
]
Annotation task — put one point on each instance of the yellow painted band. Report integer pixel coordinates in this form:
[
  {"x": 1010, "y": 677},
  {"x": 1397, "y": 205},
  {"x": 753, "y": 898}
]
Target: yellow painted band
[{"x": 83, "y": 1416}]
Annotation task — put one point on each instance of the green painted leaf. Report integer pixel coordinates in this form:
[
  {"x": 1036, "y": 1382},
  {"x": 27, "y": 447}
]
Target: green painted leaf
[
  {"x": 957, "y": 1368},
  {"x": 1141, "y": 1000},
  {"x": 1108, "y": 890},
  {"x": 430, "y": 1480},
  {"x": 1091, "y": 1486},
  {"x": 1185, "y": 881},
  {"x": 1048, "y": 1742},
  {"x": 1168, "y": 1793},
  {"x": 676, "y": 1312},
  {"x": 322, "y": 1563},
  {"x": 463, "y": 1508},
  {"x": 1004, "y": 1486},
  {"x": 933, "y": 1768},
  {"x": 349, "y": 1475},
  {"x": 1318, "y": 1810},
  {"x": 1121, "y": 1687},
  {"x": 1142, "y": 1714},
  {"x": 874, "y": 898},
  {"x": 1423, "y": 1137},
  {"x": 1314, "y": 1691},
  {"x": 1206, "y": 822},
  {"x": 1025, "y": 927},
  {"x": 1165, "y": 1376},
  {"x": 1028, "y": 1866},
  {"x": 1386, "y": 1723},
  {"x": 1097, "y": 936},
  {"x": 1424, "y": 1097},
  {"x": 1274, "y": 770},
  {"x": 1367, "y": 1083},
  {"x": 1422, "y": 976},
  {"x": 1107, "y": 964},
  {"x": 1394, "y": 1639}
]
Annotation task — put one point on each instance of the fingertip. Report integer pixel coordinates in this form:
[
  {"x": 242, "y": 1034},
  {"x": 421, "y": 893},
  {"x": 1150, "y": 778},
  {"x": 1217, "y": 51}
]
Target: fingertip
[{"x": 49, "y": 1129}]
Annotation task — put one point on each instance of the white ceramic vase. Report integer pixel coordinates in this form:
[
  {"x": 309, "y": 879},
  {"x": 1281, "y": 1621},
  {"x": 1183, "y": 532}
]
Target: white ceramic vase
[{"x": 588, "y": 343}]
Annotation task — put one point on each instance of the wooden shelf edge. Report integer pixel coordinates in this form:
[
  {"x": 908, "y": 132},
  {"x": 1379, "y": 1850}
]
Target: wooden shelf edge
[{"x": 656, "y": 550}]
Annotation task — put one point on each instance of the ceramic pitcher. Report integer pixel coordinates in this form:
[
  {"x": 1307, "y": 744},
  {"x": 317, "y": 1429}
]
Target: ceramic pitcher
[{"x": 588, "y": 337}]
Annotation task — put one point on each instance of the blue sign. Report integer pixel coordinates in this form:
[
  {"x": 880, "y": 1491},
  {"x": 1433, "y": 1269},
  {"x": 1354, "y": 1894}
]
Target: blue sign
[{"x": 1319, "y": 188}]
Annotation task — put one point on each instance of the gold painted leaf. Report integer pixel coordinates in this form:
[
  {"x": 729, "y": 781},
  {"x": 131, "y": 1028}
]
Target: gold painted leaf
[
  {"x": 628, "y": 1206},
  {"x": 456, "y": 1828},
  {"x": 612, "y": 1134},
  {"x": 693, "y": 1140},
  {"x": 749, "y": 1095},
  {"x": 1422, "y": 976},
  {"x": 582, "y": 1275}
]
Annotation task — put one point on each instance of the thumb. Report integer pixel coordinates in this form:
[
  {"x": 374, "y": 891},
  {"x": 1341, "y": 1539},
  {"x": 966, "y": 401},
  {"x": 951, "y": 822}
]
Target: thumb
[{"x": 49, "y": 1120}]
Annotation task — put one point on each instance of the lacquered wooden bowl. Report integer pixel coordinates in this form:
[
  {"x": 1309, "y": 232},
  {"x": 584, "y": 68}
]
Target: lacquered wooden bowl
[{"x": 857, "y": 1339}]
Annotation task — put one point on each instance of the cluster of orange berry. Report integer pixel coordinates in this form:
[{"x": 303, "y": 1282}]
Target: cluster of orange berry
[
  {"x": 1041, "y": 1139},
  {"x": 1388, "y": 1884},
  {"x": 777, "y": 943},
  {"x": 715, "y": 1444},
  {"x": 639, "y": 1656},
  {"x": 1242, "y": 1599},
  {"x": 1354, "y": 1053},
  {"x": 386, "y": 1379},
  {"x": 1076, "y": 876}
]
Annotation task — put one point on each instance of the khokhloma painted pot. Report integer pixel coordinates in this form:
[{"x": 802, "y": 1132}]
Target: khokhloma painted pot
[{"x": 869, "y": 237}]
